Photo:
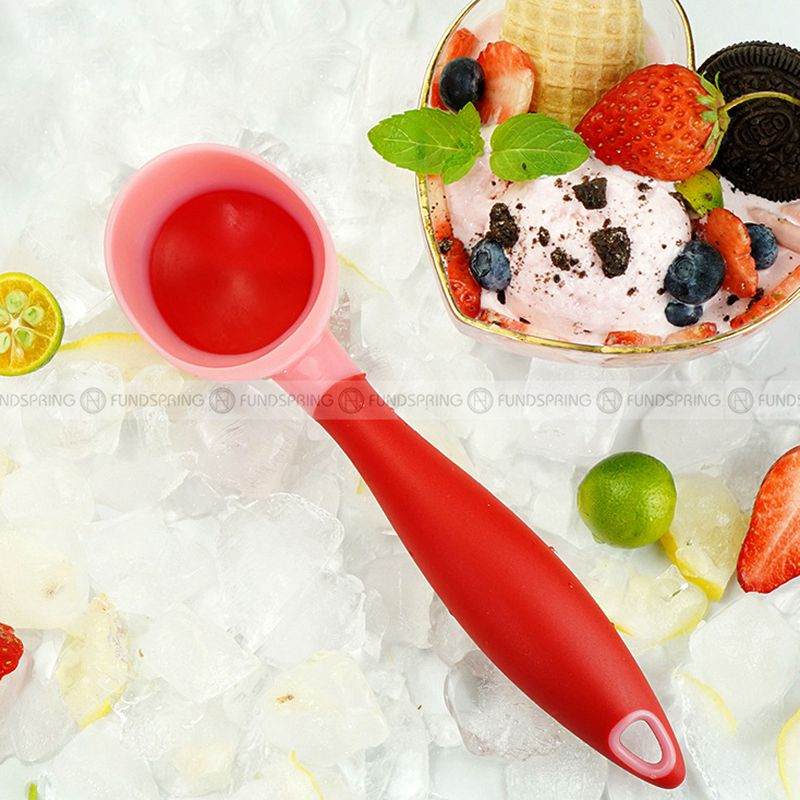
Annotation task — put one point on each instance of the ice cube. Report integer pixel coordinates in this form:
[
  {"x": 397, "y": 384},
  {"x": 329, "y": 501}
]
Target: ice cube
[
  {"x": 398, "y": 768},
  {"x": 285, "y": 777},
  {"x": 131, "y": 485},
  {"x": 572, "y": 771},
  {"x": 247, "y": 449},
  {"x": 156, "y": 718},
  {"x": 80, "y": 415},
  {"x": 69, "y": 498},
  {"x": 734, "y": 757},
  {"x": 269, "y": 553},
  {"x": 144, "y": 567},
  {"x": 459, "y": 775},
  {"x": 323, "y": 709},
  {"x": 578, "y": 418},
  {"x": 196, "y": 658},
  {"x": 450, "y": 641},
  {"x": 195, "y": 497},
  {"x": 748, "y": 653},
  {"x": 201, "y": 758},
  {"x": 76, "y": 771},
  {"x": 406, "y": 596},
  {"x": 624, "y": 786},
  {"x": 40, "y": 722},
  {"x": 494, "y": 717},
  {"x": 328, "y": 615},
  {"x": 425, "y": 676}
]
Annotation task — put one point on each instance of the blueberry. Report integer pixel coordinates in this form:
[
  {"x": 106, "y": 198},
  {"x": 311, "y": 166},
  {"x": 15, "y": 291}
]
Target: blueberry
[
  {"x": 763, "y": 245},
  {"x": 696, "y": 275},
  {"x": 682, "y": 316},
  {"x": 490, "y": 265},
  {"x": 462, "y": 82}
]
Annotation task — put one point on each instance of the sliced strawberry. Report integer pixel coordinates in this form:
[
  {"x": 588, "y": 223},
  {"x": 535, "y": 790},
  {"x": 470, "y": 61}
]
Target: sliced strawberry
[
  {"x": 631, "y": 339},
  {"x": 462, "y": 44},
  {"x": 440, "y": 214},
  {"x": 770, "y": 555},
  {"x": 510, "y": 79},
  {"x": 696, "y": 333},
  {"x": 729, "y": 235},
  {"x": 493, "y": 318},
  {"x": 787, "y": 287},
  {"x": 10, "y": 650},
  {"x": 465, "y": 288}
]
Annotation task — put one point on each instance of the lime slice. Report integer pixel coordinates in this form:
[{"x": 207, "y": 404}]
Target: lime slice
[
  {"x": 93, "y": 666},
  {"x": 789, "y": 757},
  {"x": 31, "y": 324},
  {"x": 707, "y": 533}
]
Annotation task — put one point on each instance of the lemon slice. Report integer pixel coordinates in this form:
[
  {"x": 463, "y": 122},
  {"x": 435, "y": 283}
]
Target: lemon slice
[
  {"x": 706, "y": 702},
  {"x": 789, "y": 757},
  {"x": 706, "y": 534},
  {"x": 93, "y": 665},
  {"x": 128, "y": 352},
  {"x": 652, "y": 609},
  {"x": 31, "y": 324}
]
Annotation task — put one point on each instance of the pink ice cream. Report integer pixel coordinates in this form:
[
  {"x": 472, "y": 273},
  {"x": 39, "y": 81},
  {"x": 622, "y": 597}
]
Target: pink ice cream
[{"x": 558, "y": 281}]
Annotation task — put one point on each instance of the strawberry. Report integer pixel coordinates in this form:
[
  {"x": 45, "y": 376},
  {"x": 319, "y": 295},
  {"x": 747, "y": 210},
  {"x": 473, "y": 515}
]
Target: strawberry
[
  {"x": 696, "y": 333},
  {"x": 465, "y": 289},
  {"x": 11, "y": 650},
  {"x": 493, "y": 318},
  {"x": 510, "y": 79},
  {"x": 770, "y": 555},
  {"x": 463, "y": 44},
  {"x": 631, "y": 339},
  {"x": 729, "y": 235},
  {"x": 440, "y": 214},
  {"x": 663, "y": 121},
  {"x": 788, "y": 286}
]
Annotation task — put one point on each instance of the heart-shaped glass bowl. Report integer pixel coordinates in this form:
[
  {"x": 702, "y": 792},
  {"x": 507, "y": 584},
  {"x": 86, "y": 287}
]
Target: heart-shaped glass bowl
[{"x": 668, "y": 20}]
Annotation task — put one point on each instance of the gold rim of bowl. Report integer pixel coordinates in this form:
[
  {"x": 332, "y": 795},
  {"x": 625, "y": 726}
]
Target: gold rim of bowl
[{"x": 531, "y": 339}]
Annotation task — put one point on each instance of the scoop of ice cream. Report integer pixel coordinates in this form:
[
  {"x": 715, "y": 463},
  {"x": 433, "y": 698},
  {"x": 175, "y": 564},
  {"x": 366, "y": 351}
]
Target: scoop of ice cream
[{"x": 593, "y": 250}]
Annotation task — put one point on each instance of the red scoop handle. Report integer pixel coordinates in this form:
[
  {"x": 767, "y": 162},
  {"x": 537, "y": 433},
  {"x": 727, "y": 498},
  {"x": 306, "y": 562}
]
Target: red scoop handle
[{"x": 509, "y": 590}]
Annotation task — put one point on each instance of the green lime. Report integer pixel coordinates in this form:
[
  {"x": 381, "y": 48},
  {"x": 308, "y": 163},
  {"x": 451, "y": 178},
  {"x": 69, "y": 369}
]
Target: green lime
[
  {"x": 31, "y": 324},
  {"x": 628, "y": 500}
]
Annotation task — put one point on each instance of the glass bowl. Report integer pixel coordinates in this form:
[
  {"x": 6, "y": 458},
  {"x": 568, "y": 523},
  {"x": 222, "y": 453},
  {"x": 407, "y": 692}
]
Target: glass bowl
[{"x": 669, "y": 21}]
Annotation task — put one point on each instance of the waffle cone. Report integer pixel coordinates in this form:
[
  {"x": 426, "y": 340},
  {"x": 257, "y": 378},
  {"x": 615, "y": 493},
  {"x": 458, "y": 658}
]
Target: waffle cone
[{"x": 580, "y": 49}]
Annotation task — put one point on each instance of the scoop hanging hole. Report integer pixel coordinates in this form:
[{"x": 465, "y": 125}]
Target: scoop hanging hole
[
  {"x": 642, "y": 743},
  {"x": 640, "y": 740}
]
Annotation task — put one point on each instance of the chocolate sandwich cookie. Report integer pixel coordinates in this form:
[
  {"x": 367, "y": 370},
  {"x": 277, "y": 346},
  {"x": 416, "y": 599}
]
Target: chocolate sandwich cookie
[{"x": 760, "y": 153}]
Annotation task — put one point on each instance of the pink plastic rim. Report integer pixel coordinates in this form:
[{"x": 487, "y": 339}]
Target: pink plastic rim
[
  {"x": 156, "y": 190},
  {"x": 646, "y": 769}
]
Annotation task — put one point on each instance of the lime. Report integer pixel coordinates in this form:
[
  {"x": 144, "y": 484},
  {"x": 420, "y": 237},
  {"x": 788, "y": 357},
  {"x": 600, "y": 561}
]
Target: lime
[
  {"x": 31, "y": 324},
  {"x": 627, "y": 500}
]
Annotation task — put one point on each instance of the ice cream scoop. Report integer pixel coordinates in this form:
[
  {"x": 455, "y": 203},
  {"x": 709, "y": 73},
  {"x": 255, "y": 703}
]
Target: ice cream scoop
[{"x": 508, "y": 589}]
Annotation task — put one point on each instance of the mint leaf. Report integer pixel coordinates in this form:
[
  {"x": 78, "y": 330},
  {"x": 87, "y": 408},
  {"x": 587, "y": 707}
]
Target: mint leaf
[
  {"x": 532, "y": 145},
  {"x": 430, "y": 141}
]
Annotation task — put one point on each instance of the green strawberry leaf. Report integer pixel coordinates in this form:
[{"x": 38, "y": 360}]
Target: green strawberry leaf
[
  {"x": 430, "y": 141},
  {"x": 532, "y": 145}
]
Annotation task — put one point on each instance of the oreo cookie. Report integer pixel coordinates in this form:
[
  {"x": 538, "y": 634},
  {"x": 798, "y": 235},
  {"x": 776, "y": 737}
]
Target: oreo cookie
[{"x": 760, "y": 153}]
